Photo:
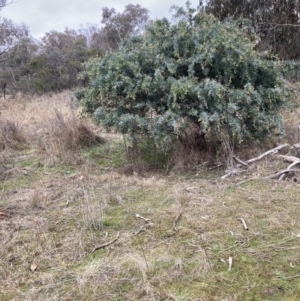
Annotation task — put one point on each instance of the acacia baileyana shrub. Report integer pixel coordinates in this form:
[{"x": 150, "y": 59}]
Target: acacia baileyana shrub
[{"x": 197, "y": 71}]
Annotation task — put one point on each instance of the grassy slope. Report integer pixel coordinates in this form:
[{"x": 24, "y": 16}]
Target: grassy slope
[{"x": 61, "y": 203}]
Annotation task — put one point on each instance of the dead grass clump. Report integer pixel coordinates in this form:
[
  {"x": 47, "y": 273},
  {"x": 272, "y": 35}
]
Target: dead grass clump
[
  {"x": 292, "y": 121},
  {"x": 12, "y": 135},
  {"x": 92, "y": 211},
  {"x": 36, "y": 199},
  {"x": 63, "y": 134}
]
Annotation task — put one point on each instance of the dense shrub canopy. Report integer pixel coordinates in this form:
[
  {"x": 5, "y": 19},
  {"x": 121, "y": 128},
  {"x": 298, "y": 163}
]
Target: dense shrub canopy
[{"x": 197, "y": 71}]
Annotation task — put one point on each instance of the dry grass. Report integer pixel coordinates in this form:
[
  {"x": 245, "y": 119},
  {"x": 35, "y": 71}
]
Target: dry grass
[
  {"x": 177, "y": 231},
  {"x": 51, "y": 125},
  {"x": 292, "y": 121},
  {"x": 62, "y": 136},
  {"x": 11, "y": 135},
  {"x": 92, "y": 210}
]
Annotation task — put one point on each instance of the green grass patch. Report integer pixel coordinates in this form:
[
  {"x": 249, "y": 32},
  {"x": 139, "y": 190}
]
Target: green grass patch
[{"x": 107, "y": 155}]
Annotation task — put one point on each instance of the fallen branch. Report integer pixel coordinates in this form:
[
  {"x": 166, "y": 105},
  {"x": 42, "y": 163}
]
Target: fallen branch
[
  {"x": 282, "y": 177},
  {"x": 232, "y": 172},
  {"x": 281, "y": 174},
  {"x": 240, "y": 161},
  {"x": 246, "y": 163},
  {"x": 278, "y": 174},
  {"x": 143, "y": 218},
  {"x": 293, "y": 164},
  {"x": 292, "y": 159},
  {"x": 176, "y": 219},
  {"x": 244, "y": 223},
  {"x": 106, "y": 244},
  {"x": 270, "y": 152},
  {"x": 289, "y": 158}
]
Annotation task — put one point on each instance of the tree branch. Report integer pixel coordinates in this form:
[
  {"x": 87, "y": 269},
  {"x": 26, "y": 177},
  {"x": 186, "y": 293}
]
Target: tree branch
[{"x": 278, "y": 24}]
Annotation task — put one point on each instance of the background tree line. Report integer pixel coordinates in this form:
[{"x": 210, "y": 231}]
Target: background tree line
[
  {"x": 53, "y": 62},
  {"x": 276, "y": 22}
]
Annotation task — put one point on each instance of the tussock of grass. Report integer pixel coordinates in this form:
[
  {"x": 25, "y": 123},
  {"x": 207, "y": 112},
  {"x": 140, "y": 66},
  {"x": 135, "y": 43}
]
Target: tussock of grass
[
  {"x": 50, "y": 125},
  {"x": 92, "y": 210},
  {"x": 68, "y": 134},
  {"x": 62, "y": 136},
  {"x": 12, "y": 135}
]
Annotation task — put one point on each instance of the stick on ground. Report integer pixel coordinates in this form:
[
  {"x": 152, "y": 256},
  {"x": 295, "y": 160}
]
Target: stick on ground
[
  {"x": 176, "y": 219},
  {"x": 270, "y": 152},
  {"x": 244, "y": 223},
  {"x": 240, "y": 161},
  {"x": 229, "y": 263},
  {"x": 283, "y": 172},
  {"x": 106, "y": 244},
  {"x": 143, "y": 218}
]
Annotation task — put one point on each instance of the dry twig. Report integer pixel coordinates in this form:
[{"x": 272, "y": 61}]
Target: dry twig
[
  {"x": 229, "y": 263},
  {"x": 106, "y": 244},
  {"x": 244, "y": 223},
  {"x": 278, "y": 174},
  {"x": 289, "y": 158},
  {"x": 240, "y": 161},
  {"x": 270, "y": 152},
  {"x": 143, "y": 218},
  {"x": 232, "y": 172}
]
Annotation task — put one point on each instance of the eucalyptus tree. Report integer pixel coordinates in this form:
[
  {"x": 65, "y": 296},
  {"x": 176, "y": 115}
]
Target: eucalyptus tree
[
  {"x": 16, "y": 70},
  {"x": 59, "y": 60},
  {"x": 12, "y": 39},
  {"x": 10, "y": 35},
  {"x": 276, "y": 22},
  {"x": 116, "y": 26}
]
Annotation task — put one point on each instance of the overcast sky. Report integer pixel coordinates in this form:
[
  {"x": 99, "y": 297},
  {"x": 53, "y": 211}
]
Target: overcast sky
[{"x": 41, "y": 16}]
